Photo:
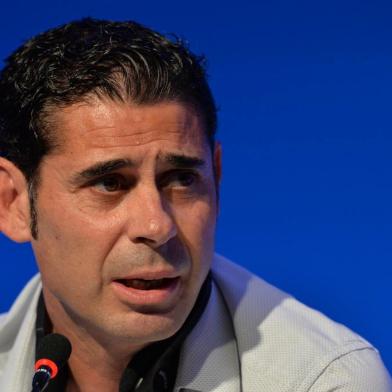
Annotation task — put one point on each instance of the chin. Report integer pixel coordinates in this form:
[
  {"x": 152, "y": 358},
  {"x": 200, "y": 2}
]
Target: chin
[{"x": 142, "y": 329}]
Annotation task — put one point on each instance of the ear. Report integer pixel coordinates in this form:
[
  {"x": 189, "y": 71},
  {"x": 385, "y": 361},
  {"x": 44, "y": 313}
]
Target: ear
[{"x": 14, "y": 203}]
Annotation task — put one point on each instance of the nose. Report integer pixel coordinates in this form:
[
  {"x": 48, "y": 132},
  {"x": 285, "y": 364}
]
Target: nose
[{"x": 151, "y": 221}]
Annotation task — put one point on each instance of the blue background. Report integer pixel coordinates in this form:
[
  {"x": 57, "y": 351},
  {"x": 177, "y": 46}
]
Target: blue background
[{"x": 304, "y": 90}]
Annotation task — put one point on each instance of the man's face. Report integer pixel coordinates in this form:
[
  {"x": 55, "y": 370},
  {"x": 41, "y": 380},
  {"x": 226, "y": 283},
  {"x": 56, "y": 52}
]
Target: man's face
[{"x": 126, "y": 212}]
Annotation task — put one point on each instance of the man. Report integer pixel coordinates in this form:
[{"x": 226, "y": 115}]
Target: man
[{"x": 110, "y": 168}]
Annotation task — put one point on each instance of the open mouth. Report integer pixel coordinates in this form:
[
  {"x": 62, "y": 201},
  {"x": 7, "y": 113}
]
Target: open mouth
[{"x": 143, "y": 284}]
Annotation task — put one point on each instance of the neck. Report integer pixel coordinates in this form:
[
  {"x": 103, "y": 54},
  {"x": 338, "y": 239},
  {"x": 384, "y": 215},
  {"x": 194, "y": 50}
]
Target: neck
[{"x": 94, "y": 370}]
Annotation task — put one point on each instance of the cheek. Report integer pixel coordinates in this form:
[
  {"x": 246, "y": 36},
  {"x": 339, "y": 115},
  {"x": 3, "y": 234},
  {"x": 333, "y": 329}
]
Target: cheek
[
  {"x": 197, "y": 227},
  {"x": 72, "y": 244}
]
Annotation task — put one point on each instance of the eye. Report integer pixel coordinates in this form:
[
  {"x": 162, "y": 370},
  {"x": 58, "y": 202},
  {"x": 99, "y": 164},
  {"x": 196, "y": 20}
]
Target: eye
[
  {"x": 184, "y": 178},
  {"x": 179, "y": 179},
  {"x": 112, "y": 183}
]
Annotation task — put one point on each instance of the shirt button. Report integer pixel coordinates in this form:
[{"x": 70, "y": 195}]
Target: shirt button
[{"x": 161, "y": 383}]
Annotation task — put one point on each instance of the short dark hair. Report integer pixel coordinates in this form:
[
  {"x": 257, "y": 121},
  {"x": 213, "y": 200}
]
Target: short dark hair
[{"x": 119, "y": 60}]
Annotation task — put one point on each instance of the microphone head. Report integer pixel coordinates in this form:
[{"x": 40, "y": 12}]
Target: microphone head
[{"x": 56, "y": 348}]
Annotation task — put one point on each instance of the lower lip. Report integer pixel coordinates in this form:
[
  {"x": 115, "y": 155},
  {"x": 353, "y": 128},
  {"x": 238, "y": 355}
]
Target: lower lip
[{"x": 156, "y": 297}]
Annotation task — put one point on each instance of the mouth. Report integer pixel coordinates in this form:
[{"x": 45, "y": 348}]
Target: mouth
[
  {"x": 160, "y": 293},
  {"x": 151, "y": 284}
]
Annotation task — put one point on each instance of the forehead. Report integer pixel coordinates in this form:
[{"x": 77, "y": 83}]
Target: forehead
[{"x": 105, "y": 126}]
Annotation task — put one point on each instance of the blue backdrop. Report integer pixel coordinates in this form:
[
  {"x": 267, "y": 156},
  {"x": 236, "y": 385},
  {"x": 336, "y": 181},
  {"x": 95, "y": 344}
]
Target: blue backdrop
[{"x": 304, "y": 90}]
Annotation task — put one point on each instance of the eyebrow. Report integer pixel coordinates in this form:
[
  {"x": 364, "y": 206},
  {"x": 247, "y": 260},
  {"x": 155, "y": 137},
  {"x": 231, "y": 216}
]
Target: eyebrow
[
  {"x": 102, "y": 168},
  {"x": 183, "y": 161}
]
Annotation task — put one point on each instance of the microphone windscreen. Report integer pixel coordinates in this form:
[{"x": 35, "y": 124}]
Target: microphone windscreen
[{"x": 55, "y": 347}]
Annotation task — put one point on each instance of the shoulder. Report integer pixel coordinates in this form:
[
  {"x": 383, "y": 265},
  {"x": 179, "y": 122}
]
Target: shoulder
[
  {"x": 3, "y": 317},
  {"x": 358, "y": 370},
  {"x": 284, "y": 340},
  {"x": 14, "y": 323}
]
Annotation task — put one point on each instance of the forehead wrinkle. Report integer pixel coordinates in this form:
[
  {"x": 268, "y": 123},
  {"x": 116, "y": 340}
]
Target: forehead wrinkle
[
  {"x": 102, "y": 128},
  {"x": 142, "y": 125},
  {"x": 138, "y": 139},
  {"x": 138, "y": 133}
]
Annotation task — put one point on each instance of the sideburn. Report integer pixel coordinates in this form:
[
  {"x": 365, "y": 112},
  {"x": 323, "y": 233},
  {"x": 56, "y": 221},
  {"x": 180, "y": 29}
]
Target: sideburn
[{"x": 33, "y": 186}]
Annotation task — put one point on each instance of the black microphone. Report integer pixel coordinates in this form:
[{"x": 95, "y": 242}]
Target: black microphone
[{"x": 52, "y": 353}]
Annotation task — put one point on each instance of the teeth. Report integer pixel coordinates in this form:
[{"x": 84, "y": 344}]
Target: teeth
[{"x": 142, "y": 284}]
